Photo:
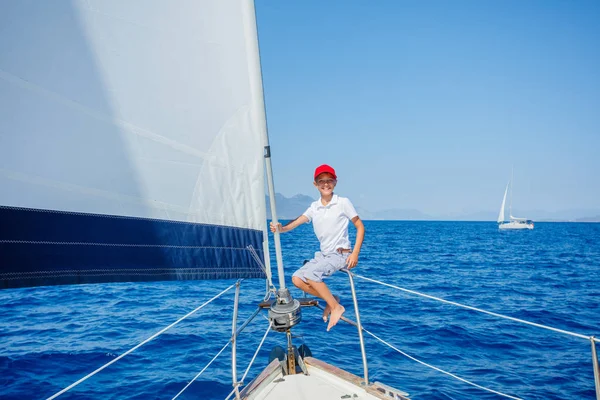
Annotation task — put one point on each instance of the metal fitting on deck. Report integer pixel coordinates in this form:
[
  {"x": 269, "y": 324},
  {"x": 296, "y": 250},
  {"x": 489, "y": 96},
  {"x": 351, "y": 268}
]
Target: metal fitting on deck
[{"x": 285, "y": 312}]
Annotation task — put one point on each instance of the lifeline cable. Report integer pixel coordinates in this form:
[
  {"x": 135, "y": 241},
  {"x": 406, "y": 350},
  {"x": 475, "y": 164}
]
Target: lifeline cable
[
  {"x": 240, "y": 329},
  {"x": 251, "y": 362},
  {"x": 482, "y": 311},
  {"x": 441, "y": 370},
  {"x": 349, "y": 321},
  {"x": 139, "y": 345},
  {"x": 203, "y": 369}
]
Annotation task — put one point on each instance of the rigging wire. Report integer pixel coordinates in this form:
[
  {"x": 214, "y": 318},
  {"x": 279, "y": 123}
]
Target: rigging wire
[
  {"x": 256, "y": 258},
  {"x": 256, "y": 352},
  {"x": 482, "y": 311},
  {"x": 241, "y": 382},
  {"x": 139, "y": 345},
  {"x": 441, "y": 370},
  {"x": 240, "y": 329},
  {"x": 203, "y": 369},
  {"x": 349, "y": 321}
]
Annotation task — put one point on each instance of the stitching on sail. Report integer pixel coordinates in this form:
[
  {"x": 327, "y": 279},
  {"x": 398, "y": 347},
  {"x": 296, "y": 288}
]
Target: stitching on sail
[
  {"x": 126, "y": 217},
  {"x": 117, "y": 244},
  {"x": 81, "y": 273}
]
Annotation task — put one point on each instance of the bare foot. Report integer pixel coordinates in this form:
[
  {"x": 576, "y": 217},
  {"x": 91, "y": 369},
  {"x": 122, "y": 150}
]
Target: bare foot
[
  {"x": 326, "y": 313},
  {"x": 336, "y": 314},
  {"x": 327, "y": 310}
]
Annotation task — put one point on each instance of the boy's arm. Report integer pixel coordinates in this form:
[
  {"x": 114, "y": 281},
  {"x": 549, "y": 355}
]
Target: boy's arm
[
  {"x": 352, "y": 259},
  {"x": 292, "y": 225}
]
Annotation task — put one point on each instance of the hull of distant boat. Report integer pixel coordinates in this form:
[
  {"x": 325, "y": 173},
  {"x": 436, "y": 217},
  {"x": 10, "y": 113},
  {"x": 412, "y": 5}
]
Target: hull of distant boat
[{"x": 515, "y": 225}]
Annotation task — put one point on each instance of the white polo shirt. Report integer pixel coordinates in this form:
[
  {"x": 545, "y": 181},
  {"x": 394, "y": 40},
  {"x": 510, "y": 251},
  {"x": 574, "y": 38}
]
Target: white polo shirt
[{"x": 331, "y": 223}]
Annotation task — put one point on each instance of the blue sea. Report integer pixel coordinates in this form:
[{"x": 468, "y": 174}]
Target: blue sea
[{"x": 52, "y": 336}]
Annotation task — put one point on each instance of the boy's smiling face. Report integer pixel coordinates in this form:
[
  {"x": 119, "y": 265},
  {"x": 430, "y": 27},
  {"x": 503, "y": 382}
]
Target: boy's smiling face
[{"x": 325, "y": 183}]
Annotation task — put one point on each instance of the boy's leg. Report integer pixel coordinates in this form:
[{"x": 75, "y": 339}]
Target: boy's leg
[
  {"x": 309, "y": 278},
  {"x": 336, "y": 308},
  {"x": 300, "y": 284},
  {"x": 299, "y": 277}
]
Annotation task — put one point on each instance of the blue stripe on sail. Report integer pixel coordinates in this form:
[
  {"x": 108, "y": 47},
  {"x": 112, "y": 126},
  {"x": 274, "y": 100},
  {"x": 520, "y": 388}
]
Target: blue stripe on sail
[{"x": 45, "y": 247}]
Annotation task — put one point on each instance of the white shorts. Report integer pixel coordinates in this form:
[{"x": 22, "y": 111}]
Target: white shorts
[{"x": 322, "y": 266}]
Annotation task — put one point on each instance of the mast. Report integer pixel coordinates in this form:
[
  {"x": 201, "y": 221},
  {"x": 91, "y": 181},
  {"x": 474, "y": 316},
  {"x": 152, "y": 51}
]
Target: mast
[
  {"x": 512, "y": 174},
  {"x": 259, "y": 119},
  {"x": 285, "y": 311}
]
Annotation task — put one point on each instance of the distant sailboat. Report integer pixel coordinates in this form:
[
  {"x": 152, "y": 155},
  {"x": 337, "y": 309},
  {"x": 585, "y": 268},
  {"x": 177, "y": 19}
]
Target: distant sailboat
[{"x": 513, "y": 222}]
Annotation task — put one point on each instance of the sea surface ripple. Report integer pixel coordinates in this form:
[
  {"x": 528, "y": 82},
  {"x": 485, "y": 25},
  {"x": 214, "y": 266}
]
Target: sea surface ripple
[{"x": 52, "y": 336}]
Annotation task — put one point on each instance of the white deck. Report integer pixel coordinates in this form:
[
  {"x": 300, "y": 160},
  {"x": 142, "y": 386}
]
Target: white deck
[
  {"x": 317, "y": 385},
  {"x": 322, "y": 382}
]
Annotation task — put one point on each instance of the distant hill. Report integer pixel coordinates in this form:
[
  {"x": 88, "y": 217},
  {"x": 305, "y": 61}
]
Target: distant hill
[
  {"x": 474, "y": 216},
  {"x": 292, "y": 207},
  {"x": 589, "y": 219},
  {"x": 401, "y": 214},
  {"x": 568, "y": 215}
]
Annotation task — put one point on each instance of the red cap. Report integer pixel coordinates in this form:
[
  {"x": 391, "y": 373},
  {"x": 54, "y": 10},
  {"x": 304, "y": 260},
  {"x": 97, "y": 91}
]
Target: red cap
[{"x": 325, "y": 168}]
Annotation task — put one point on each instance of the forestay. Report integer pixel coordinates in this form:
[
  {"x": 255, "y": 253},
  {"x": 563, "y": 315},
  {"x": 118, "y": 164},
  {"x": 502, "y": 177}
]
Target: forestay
[{"x": 132, "y": 142}]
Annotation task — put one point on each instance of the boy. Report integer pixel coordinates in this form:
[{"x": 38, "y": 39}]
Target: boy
[{"x": 330, "y": 216}]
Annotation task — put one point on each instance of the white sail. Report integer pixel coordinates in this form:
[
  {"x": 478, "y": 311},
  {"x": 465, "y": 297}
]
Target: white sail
[
  {"x": 117, "y": 111},
  {"x": 115, "y": 108},
  {"x": 501, "y": 214}
]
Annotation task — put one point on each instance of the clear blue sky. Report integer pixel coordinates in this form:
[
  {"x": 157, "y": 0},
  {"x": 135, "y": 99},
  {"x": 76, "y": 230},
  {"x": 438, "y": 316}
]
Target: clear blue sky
[{"x": 428, "y": 104}]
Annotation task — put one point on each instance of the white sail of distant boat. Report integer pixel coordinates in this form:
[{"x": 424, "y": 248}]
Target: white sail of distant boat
[
  {"x": 513, "y": 222},
  {"x": 501, "y": 214}
]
